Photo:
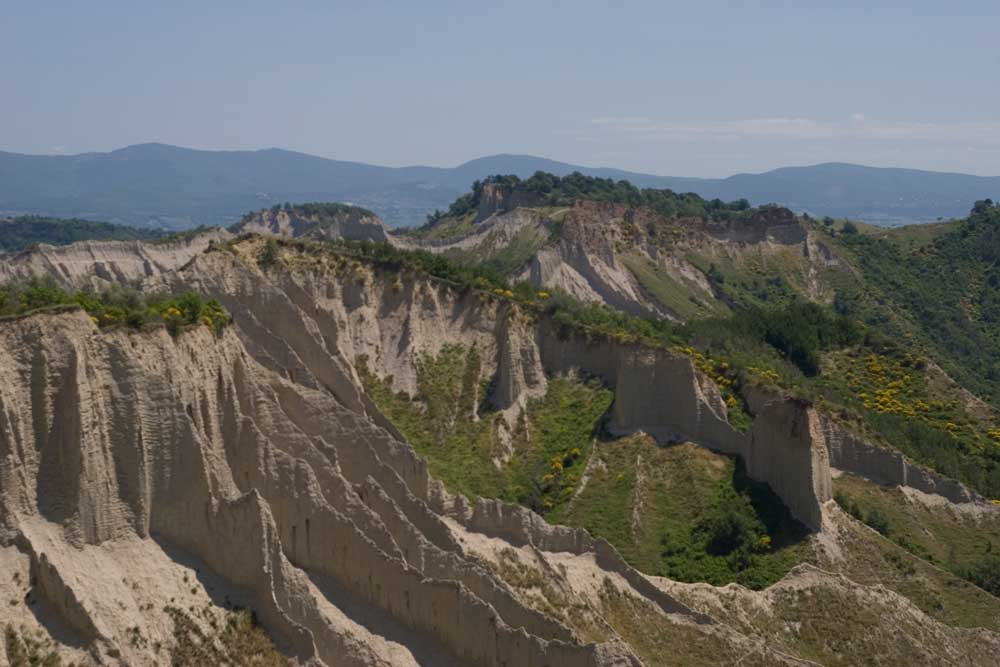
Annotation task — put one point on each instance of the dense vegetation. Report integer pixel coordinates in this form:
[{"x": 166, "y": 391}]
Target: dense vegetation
[
  {"x": 550, "y": 190},
  {"x": 699, "y": 517},
  {"x": 967, "y": 546},
  {"x": 116, "y": 306},
  {"x": 28, "y": 230},
  {"x": 942, "y": 297},
  {"x": 945, "y": 293}
]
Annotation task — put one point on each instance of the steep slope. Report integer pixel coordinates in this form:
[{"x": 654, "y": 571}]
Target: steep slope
[
  {"x": 318, "y": 221},
  {"x": 648, "y": 252},
  {"x": 257, "y": 461},
  {"x": 105, "y": 262},
  {"x": 248, "y": 474}
]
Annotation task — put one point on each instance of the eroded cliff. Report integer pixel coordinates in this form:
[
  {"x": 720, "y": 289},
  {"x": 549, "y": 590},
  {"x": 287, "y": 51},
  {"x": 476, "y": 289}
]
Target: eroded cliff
[{"x": 141, "y": 474}]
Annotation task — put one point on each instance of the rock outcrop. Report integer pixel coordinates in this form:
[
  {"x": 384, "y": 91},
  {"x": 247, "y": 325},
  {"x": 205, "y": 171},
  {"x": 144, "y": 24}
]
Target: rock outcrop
[
  {"x": 631, "y": 258},
  {"x": 278, "y": 489},
  {"x": 787, "y": 449},
  {"x": 852, "y": 453},
  {"x": 495, "y": 198},
  {"x": 317, "y": 221},
  {"x": 100, "y": 263}
]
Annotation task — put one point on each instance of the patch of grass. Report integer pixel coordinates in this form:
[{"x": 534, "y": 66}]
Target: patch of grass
[
  {"x": 871, "y": 559},
  {"x": 834, "y": 628},
  {"x": 447, "y": 229},
  {"x": 967, "y": 546},
  {"x": 756, "y": 279},
  {"x": 660, "y": 641},
  {"x": 506, "y": 257},
  {"x": 686, "y": 513},
  {"x": 685, "y": 302},
  {"x": 25, "y": 649},
  {"x": 233, "y": 638},
  {"x": 546, "y": 468},
  {"x": 450, "y": 423},
  {"x": 441, "y": 423}
]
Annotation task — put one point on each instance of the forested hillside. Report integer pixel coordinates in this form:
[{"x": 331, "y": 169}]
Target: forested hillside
[{"x": 24, "y": 231}]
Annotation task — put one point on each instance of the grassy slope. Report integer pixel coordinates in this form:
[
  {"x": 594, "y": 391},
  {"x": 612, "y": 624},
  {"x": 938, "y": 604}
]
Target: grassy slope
[
  {"x": 506, "y": 258},
  {"x": 870, "y": 559},
  {"x": 446, "y": 229},
  {"x": 935, "y": 294},
  {"x": 661, "y": 506},
  {"x": 938, "y": 534},
  {"x": 700, "y": 519},
  {"x": 683, "y": 301}
]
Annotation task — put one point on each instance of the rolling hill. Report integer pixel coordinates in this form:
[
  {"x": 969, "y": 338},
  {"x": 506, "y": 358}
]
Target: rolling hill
[{"x": 156, "y": 185}]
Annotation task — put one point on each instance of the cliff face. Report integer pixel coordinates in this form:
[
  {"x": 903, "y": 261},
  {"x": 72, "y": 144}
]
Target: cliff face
[
  {"x": 341, "y": 316},
  {"x": 852, "y": 453},
  {"x": 788, "y": 450},
  {"x": 142, "y": 475},
  {"x": 99, "y": 263},
  {"x": 340, "y": 222},
  {"x": 111, "y": 437},
  {"x": 636, "y": 261},
  {"x": 494, "y": 199}
]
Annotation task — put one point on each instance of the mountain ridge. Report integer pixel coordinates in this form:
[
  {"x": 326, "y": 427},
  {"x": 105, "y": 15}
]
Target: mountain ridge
[{"x": 160, "y": 185}]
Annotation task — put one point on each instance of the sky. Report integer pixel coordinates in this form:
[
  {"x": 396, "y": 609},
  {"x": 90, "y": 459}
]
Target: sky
[{"x": 683, "y": 89}]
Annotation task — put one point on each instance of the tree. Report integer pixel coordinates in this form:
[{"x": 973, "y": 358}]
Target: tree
[{"x": 268, "y": 256}]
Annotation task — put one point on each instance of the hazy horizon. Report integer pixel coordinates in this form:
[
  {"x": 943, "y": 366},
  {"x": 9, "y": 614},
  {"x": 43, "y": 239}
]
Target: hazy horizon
[
  {"x": 706, "y": 91},
  {"x": 479, "y": 157}
]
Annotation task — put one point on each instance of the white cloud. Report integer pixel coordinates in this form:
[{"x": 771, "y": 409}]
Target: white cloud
[{"x": 858, "y": 126}]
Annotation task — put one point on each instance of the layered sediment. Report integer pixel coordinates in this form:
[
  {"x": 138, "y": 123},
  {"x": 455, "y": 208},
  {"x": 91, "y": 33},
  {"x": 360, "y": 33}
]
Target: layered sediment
[
  {"x": 141, "y": 472},
  {"x": 278, "y": 489}
]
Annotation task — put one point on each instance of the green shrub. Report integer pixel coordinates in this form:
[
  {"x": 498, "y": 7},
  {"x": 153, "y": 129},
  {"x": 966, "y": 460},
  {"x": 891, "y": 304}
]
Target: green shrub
[
  {"x": 554, "y": 190},
  {"x": 116, "y": 306},
  {"x": 28, "y": 230},
  {"x": 985, "y": 573},
  {"x": 268, "y": 255}
]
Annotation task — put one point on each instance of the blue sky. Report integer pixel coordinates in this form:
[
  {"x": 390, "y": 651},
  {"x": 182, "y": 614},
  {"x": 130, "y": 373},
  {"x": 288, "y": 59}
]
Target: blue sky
[{"x": 692, "y": 89}]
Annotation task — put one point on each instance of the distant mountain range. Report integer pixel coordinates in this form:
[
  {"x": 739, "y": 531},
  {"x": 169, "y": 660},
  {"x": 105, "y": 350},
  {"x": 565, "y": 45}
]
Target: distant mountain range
[{"x": 156, "y": 185}]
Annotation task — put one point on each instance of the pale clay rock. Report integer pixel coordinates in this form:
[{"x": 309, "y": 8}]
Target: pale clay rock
[{"x": 255, "y": 459}]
